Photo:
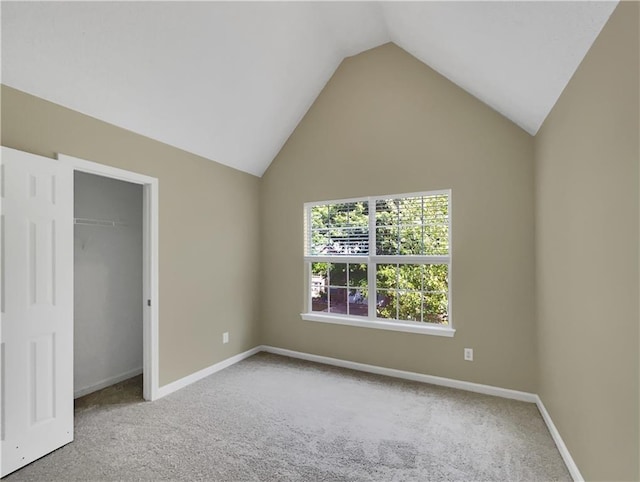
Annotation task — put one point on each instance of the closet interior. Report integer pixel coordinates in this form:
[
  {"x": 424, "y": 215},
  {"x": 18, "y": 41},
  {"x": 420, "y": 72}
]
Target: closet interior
[{"x": 108, "y": 282}]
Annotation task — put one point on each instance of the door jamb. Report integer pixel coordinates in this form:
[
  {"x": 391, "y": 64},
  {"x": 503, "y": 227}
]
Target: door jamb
[{"x": 150, "y": 232}]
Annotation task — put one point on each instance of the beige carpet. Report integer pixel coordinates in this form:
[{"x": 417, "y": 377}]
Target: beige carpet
[{"x": 273, "y": 418}]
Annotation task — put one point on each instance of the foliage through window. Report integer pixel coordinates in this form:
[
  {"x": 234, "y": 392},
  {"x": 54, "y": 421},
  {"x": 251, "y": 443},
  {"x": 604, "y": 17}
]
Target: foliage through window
[{"x": 382, "y": 258}]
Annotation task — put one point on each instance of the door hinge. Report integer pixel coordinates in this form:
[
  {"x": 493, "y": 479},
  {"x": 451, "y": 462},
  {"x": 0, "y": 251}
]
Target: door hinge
[{"x": 148, "y": 302}]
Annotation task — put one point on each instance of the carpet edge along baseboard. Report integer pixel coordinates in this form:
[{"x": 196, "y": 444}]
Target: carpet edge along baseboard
[{"x": 391, "y": 372}]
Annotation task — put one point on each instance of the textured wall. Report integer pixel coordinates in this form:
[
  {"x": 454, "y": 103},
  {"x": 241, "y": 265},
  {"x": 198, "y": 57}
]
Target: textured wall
[
  {"x": 386, "y": 124},
  {"x": 208, "y": 228},
  {"x": 587, "y": 255},
  {"x": 107, "y": 278}
]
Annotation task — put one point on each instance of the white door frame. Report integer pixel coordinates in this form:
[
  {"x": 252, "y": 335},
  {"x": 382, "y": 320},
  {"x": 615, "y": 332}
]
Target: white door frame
[{"x": 150, "y": 364}]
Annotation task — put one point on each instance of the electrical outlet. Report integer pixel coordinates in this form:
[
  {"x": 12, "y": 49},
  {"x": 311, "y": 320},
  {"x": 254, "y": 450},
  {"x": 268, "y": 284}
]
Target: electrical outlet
[
  {"x": 468, "y": 354},
  {"x": 225, "y": 337}
]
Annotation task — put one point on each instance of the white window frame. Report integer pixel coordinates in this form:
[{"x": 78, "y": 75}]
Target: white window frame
[{"x": 372, "y": 321}]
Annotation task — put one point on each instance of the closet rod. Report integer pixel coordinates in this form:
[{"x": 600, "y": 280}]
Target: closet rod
[{"x": 99, "y": 222}]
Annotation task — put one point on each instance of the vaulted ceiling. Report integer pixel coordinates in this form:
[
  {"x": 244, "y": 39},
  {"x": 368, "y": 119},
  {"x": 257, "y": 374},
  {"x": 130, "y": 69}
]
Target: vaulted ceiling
[{"x": 230, "y": 81}]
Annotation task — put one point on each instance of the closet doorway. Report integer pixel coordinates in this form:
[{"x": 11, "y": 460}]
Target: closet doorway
[
  {"x": 36, "y": 307},
  {"x": 107, "y": 283},
  {"x": 115, "y": 277}
]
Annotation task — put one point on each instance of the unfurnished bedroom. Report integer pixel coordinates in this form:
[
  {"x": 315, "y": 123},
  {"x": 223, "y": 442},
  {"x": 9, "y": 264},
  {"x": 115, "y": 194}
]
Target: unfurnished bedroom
[{"x": 320, "y": 241}]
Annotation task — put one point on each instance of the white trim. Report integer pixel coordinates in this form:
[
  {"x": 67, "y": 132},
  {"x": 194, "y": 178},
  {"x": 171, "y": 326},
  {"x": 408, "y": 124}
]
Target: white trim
[
  {"x": 323, "y": 258},
  {"x": 446, "y": 382},
  {"x": 450, "y": 268},
  {"x": 335, "y": 201},
  {"x": 372, "y": 260},
  {"x": 408, "y": 259},
  {"x": 103, "y": 170},
  {"x": 372, "y": 269},
  {"x": 562, "y": 448},
  {"x": 151, "y": 346},
  {"x": 205, "y": 372},
  {"x": 380, "y": 259},
  {"x": 416, "y": 377},
  {"x": 391, "y": 372},
  {"x": 106, "y": 383},
  {"x": 364, "y": 322},
  {"x": 434, "y": 192},
  {"x": 150, "y": 232}
]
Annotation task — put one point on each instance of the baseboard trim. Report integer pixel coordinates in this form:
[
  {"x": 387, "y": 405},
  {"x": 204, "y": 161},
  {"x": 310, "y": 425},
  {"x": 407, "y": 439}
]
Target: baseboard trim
[
  {"x": 391, "y": 372},
  {"x": 557, "y": 438},
  {"x": 446, "y": 382},
  {"x": 106, "y": 383},
  {"x": 205, "y": 372},
  {"x": 417, "y": 377}
]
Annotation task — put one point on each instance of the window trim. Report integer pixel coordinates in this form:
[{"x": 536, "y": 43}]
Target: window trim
[
  {"x": 378, "y": 323},
  {"x": 372, "y": 321}
]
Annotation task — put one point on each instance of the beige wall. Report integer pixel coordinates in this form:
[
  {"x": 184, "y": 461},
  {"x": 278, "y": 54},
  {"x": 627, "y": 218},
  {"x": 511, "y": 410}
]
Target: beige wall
[
  {"x": 208, "y": 228},
  {"x": 387, "y": 124},
  {"x": 587, "y": 255}
]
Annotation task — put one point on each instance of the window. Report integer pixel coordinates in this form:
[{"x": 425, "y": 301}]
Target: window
[{"x": 382, "y": 262}]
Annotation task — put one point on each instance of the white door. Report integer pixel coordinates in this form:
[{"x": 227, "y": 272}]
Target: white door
[{"x": 37, "y": 307}]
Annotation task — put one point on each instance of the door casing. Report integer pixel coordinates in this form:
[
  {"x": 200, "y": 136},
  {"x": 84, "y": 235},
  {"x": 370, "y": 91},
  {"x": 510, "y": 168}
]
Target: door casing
[{"x": 150, "y": 232}]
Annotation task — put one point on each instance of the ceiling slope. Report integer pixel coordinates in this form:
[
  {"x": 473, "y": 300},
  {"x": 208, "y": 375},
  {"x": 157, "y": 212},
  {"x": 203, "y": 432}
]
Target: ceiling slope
[
  {"x": 516, "y": 56},
  {"x": 227, "y": 81},
  {"x": 230, "y": 81}
]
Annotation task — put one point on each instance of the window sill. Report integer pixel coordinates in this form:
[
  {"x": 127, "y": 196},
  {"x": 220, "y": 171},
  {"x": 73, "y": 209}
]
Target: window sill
[{"x": 380, "y": 325}]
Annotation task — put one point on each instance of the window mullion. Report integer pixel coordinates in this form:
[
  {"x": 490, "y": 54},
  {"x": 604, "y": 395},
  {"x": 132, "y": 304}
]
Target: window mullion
[
  {"x": 307, "y": 251},
  {"x": 329, "y": 287},
  {"x": 347, "y": 267},
  {"x": 371, "y": 267},
  {"x": 309, "y": 286},
  {"x": 422, "y": 291},
  {"x": 409, "y": 259},
  {"x": 336, "y": 259}
]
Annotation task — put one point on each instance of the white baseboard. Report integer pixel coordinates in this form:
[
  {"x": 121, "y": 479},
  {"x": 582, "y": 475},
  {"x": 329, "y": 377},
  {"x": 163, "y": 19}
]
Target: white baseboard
[
  {"x": 416, "y": 377},
  {"x": 446, "y": 382},
  {"x": 391, "y": 372},
  {"x": 205, "y": 372},
  {"x": 562, "y": 448},
  {"x": 106, "y": 383}
]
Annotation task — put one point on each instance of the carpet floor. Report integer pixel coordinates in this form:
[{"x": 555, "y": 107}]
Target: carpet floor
[{"x": 272, "y": 418}]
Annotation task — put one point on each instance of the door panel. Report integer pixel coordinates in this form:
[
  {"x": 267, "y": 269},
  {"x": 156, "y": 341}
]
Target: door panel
[{"x": 37, "y": 307}]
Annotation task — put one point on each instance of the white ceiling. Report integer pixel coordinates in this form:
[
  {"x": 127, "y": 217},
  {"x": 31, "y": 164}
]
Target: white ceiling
[{"x": 230, "y": 81}]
